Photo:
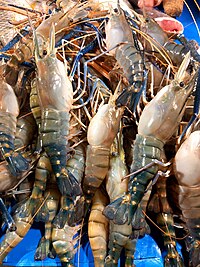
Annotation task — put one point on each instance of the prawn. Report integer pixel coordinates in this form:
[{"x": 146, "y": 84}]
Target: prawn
[
  {"x": 159, "y": 205},
  {"x": 47, "y": 214},
  {"x": 177, "y": 52},
  {"x": 23, "y": 138},
  {"x": 159, "y": 119},
  {"x": 127, "y": 52},
  {"x": 119, "y": 235},
  {"x": 23, "y": 215},
  {"x": 9, "y": 110},
  {"x": 101, "y": 132},
  {"x": 55, "y": 94},
  {"x": 186, "y": 166}
]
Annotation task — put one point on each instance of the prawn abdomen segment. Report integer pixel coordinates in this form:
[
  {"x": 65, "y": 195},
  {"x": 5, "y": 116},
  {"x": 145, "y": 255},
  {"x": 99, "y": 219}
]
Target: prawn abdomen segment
[
  {"x": 96, "y": 167},
  {"x": 130, "y": 61},
  {"x": 55, "y": 124},
  {"x": 8, "y": 128},
  {"x": 146, "y": 150},
  {"x": 55, "y": 131}
]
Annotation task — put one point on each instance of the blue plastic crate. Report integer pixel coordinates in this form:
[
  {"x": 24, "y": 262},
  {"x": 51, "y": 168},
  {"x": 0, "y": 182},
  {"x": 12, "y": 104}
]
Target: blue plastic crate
[{"x": 147, "y": 253}]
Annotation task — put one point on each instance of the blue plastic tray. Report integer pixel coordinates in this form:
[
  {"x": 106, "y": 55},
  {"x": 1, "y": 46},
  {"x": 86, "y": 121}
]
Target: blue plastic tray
[
  {"x": 190, "y": 29},
  {"x": 147, "y": 252}
]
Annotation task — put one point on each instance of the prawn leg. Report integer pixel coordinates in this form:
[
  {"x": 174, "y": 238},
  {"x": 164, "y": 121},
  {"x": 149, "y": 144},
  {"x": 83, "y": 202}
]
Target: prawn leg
[
  {"x": 24, "y": 52},
  {"x": 69, "y": 35},
  {"x": 16, "y": 39},
  {"x": 81, "y": 53}
]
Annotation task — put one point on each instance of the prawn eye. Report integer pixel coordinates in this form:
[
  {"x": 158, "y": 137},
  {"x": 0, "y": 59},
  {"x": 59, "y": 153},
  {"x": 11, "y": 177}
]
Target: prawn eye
[
  {"x": 147, "y": 20},
  {"x": 44, "y": 52},
  {"x": 115, "y": 10},
  {"x": 181, "y": 84}
]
